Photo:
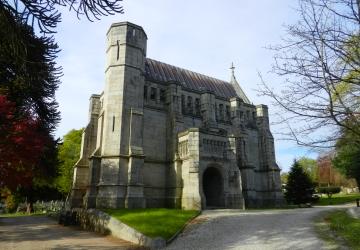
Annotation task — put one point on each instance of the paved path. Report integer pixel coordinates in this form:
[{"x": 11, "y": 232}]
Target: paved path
[
  {"x": 40, "y": 232},
  {"x": 253, "y": 229}
]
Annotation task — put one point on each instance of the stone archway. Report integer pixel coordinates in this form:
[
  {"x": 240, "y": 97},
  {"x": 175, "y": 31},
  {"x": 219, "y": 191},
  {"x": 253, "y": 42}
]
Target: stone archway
[{"x": 213, "y": 187}]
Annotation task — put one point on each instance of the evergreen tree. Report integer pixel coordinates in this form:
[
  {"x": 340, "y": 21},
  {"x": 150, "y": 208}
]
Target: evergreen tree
[
  {"x": 29, "y": 76},
  {"x": 299, "y": 188},
  {"x": 45, "y": 14}
]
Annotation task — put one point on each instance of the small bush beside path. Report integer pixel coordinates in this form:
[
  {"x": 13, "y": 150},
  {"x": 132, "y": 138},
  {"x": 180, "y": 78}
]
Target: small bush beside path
[
  {"x": 154, "y": 222},
  {"x": 337, "y": 199}
]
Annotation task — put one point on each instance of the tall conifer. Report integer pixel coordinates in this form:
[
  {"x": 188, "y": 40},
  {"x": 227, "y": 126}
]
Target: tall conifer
[{"x": 299, "y": 188}]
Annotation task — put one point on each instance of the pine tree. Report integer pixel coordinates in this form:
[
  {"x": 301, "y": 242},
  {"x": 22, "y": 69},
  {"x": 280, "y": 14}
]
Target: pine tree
[
  {"x": 29, "y": 78},
  {"x": 299, "y": 188}
]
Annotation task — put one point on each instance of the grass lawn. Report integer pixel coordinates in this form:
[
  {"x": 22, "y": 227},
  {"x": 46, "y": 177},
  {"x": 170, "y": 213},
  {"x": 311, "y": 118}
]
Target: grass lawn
[
  {"x": 337, "y": 199},
  {"x": 154, "y": 222},
  {"x": 348, "y": 228}
]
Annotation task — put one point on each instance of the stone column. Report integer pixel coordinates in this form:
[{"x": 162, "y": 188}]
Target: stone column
[
  {"x": 234, "y": 198},
  {"x": 189, "y": 143},
  {"x": 135, "y": 189},
  {"x": 174, "y": 125},
  {"x": 269, "y": 168},
  {"x": 208, "y": 110},
  {"x": 88, "y": 144}
]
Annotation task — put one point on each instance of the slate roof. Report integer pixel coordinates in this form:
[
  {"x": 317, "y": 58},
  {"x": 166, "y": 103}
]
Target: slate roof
[{"x": 162, "y": 72}]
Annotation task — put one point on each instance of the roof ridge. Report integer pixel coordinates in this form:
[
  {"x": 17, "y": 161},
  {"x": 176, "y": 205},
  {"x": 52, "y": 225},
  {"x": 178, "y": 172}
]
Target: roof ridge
[
  {"x": 164, "y": 72},
  {"x": 189, "y": 71}
]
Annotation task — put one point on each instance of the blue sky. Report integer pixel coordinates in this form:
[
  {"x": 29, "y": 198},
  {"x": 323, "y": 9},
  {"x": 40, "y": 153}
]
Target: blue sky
[{"x": 204, "y": 36}]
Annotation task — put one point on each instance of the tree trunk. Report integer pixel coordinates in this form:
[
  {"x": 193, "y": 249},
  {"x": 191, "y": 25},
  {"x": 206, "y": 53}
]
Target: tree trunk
[{"x": 29, "y": 207}]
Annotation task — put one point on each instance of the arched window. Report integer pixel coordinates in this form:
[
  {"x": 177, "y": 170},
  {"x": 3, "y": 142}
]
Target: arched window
[
  {"x": 162, "y": 95},
  {"x": 221, "y": 112},
  {"x": 197, "y": 106},
  {"x": 145, "y": 93},
  {"x": 228, "y": 117},
  {"x": 183, "y": 104},
  {"x": 189, "y": 105},
  {"x": 153, "y": 94}
]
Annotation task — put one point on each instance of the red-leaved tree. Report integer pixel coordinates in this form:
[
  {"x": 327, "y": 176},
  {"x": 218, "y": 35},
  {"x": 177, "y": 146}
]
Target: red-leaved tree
[{"x": 21, "y": 146}]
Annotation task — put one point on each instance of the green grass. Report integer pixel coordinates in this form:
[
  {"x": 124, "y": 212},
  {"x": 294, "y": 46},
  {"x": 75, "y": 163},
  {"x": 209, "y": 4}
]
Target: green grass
[
  {"x": 154, "y": 222},
  {"x": 348, "y": 228},
  {"x": 337, "y": 199},
  {"x": 323, "y": 231}
]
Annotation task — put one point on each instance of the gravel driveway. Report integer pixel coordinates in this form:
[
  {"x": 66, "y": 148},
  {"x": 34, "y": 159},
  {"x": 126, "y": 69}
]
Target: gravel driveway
[
  {"x": 214, "y": 229},
  {"x": 253, "y": 229},
  {"x": 40, "y": 232}
]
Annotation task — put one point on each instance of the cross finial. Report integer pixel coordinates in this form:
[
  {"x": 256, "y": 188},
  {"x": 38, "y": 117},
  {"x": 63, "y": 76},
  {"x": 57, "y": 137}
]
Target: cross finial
[{"x": 232, "y": 69}]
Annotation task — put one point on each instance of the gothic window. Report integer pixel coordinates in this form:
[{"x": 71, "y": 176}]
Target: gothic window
[
  {"x": 216, "y": 113},
  {"x": 221, "y": 112},
  {"x": 189, "y": 105},
  {"x": 253, "y": 115},
  {"x": 228, "y": 118},
  {"x": 145, "y": 92},
  {"x": 197, "y": 106},
  {"x": 153, "y": 93},
  {"x": 244, "y": 150},
  {"x": 117, "y": 50},
  {"x": 162, "y": 95},
  {"x": 247, "y": 115},
  {"x": 183, "y": 104}
]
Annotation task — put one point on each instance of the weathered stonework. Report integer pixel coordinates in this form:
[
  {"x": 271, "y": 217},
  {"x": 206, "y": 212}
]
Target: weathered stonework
[{"x": 162, "y": 136}]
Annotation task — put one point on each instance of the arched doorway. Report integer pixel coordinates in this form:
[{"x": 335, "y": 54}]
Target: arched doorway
[{"x": 213, "y": 187}]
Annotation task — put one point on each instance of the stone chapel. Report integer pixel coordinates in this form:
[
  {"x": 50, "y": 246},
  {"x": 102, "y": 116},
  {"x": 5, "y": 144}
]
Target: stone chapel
[{"x": 163, "y": 136}]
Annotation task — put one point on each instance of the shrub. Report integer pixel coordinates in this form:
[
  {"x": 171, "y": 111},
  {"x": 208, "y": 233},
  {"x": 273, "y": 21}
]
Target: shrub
[
  {"x": 329, "y": 191},
  {"x": 10, "y": 203},
  {"x": 48, "y": 207},
  {"x": 10, "y": 200}
]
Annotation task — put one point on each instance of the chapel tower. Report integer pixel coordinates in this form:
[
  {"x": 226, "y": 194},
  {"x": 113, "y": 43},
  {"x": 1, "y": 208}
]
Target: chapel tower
[
  {"x": 115, "y": 158},
  {"x": 121, "y": 149}
]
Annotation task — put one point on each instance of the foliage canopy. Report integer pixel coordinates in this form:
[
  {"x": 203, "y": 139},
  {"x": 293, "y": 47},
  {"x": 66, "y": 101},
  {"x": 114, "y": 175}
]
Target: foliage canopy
[
  {"x": 69, "y": 152},
  {"x": 347, "y": 158}
]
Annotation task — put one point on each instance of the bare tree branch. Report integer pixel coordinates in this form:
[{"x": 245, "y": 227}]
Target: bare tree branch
[{"x": 319, "y": 61}]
